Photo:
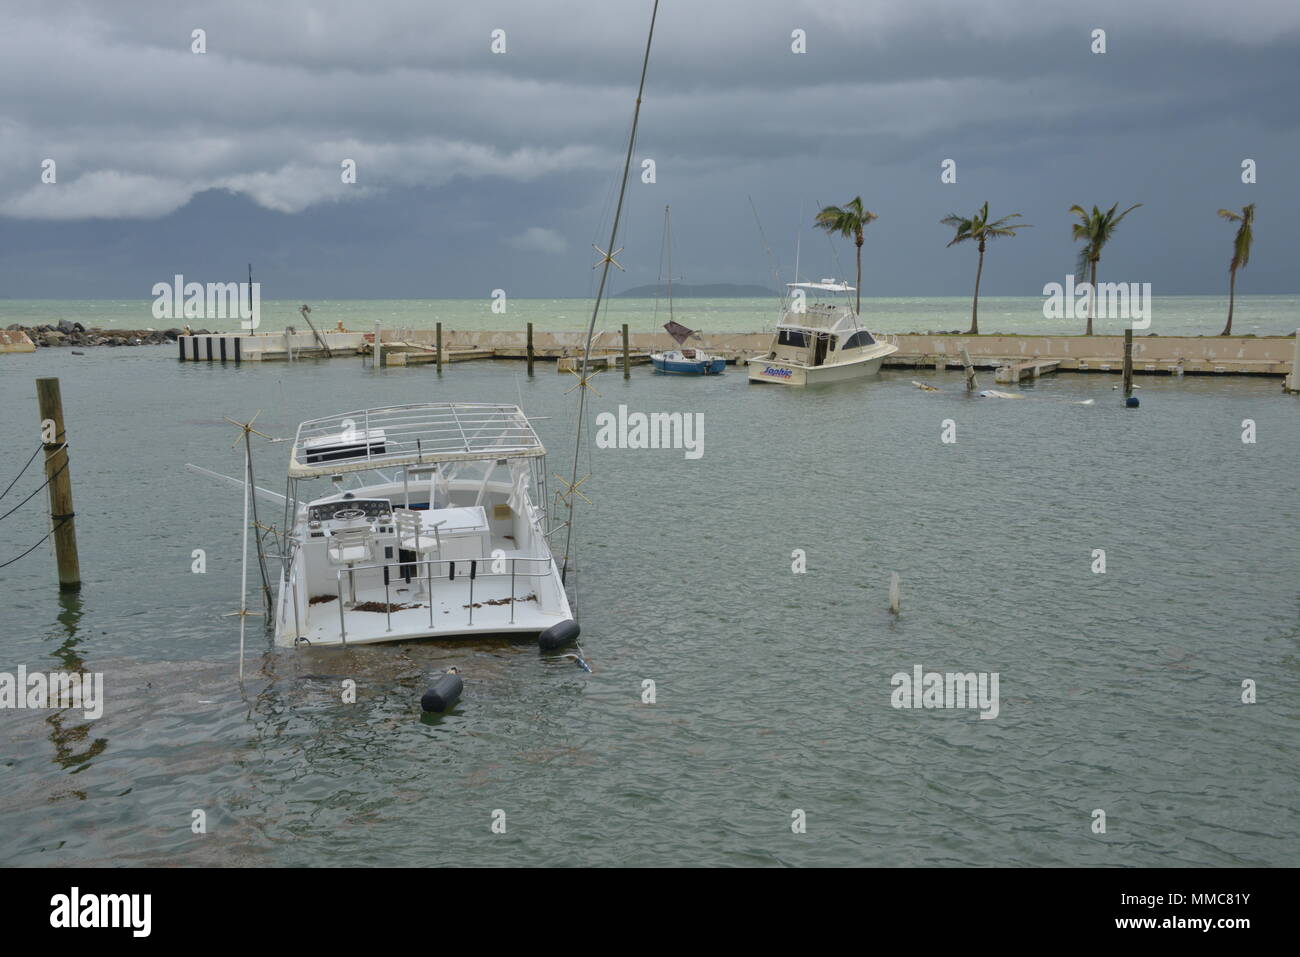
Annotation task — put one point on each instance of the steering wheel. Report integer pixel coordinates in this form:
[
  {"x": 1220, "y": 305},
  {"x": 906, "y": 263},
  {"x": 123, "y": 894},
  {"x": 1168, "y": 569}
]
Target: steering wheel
[{"x": 349, "y": 514}]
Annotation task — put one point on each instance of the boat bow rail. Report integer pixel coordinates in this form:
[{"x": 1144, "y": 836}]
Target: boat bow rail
[{"x": 420, "y": 434}]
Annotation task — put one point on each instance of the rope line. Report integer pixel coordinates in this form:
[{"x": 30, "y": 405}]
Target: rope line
[
  {"x": 23, "y": 469},
  {"x": 38, "y": 544},
  {"x": 33, "y": 495}
]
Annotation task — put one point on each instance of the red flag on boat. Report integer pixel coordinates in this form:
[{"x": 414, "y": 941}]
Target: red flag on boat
[{"x": 678, "y": 331}]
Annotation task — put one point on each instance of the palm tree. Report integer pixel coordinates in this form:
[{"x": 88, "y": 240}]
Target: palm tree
[
  {"x": 1240, "y": 252},
  {"x": 1095, "y": 230},
  {"x": 848, "y": 221},
  {"x": 978, "y": 227}
]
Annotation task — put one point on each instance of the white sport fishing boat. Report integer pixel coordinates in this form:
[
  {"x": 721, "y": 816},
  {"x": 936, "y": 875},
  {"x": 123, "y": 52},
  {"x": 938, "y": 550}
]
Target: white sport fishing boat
[
  {"x": 429, "y": 531},
  {"x": 823, "y": 341}
]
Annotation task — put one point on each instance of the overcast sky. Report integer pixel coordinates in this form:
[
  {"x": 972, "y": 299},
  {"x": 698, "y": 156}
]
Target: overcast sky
[{"x": 478, "y": 170}]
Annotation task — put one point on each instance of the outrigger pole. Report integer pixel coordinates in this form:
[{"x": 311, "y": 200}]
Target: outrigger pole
[
  {"x": 243, "y": 570},
  {"x": 605, "y": 262},
  {"x": 243, "y": 554}
]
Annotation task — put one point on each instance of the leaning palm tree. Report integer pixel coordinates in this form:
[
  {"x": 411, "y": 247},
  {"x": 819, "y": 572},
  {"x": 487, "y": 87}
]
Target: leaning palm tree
[
  {"x": 979, "y": 228},
  {"x": 1240, "y": 252},
  {"x": 1095, "y": 229},
  {"x": 848, "y": 221}
]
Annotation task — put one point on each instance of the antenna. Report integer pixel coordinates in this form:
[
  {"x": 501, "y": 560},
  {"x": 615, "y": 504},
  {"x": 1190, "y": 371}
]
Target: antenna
[
  {"x": 607, "y": 259},
  {"x": 798, "y": 236},
  {"x": 776, "y": 271}
]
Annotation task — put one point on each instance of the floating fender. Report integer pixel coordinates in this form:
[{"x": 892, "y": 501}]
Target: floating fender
[
  {"x": 443, "y": 693},
  {"x": 1131, "y": 402},
  {"x": 558, "y": 635}
]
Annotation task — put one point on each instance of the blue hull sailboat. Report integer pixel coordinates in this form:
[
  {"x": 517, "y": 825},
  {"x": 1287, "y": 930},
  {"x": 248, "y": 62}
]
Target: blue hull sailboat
[
  {"x": 688, "y": 362},
  {"x": 681, "y": 361}
]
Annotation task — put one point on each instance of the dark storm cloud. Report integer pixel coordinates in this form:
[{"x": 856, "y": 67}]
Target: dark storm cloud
[{"x": 473, "y": 166}]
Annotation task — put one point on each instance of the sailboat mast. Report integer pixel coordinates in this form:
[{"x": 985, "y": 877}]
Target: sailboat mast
[
  {"x": 668, "y": 238},
  {"x": 600, "y": 292}
]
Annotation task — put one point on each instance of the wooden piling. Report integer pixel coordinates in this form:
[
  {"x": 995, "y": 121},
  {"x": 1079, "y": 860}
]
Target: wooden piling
[
  {"x": 627, "y": 358},
  {"x": 1292, "y": 382},
  {"x": 1128, "y": 362},
  {"x": 530, "y": 349},
  {"x": 438, "y": 343},
  {"x": 895, "y": 593},
  {"x": 50, "y": 401},
  {"x": 970, "y": 370}
]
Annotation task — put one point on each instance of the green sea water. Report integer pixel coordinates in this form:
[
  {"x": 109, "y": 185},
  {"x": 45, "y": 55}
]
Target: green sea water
[
  {"x": 1120, "y": 691},
  {"x": 1171, "y": 315}
]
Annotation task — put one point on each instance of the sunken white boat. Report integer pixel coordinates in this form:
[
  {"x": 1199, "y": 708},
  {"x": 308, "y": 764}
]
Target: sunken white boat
[
  {"x": 820, "y": 341},
  {"x": 428, "y": 530}
]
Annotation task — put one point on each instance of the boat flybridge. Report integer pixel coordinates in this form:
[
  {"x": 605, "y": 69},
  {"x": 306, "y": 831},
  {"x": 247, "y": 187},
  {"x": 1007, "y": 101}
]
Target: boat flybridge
[
  {"x": 429, "y": 530},
  {"x": 820, "y": 341}
]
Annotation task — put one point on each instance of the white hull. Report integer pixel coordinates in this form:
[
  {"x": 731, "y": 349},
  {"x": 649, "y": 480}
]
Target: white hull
[
  {"x": 797, "y": 374},
  {"x": 448, "y": 544},
  {"x": 538, "y": 604}
]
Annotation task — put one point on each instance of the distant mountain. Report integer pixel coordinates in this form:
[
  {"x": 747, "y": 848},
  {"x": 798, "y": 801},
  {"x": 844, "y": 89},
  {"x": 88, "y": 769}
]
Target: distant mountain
[{"x": 713, "y": 290}]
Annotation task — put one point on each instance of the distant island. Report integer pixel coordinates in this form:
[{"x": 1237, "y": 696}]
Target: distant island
[{"x": 713, "y": 290}]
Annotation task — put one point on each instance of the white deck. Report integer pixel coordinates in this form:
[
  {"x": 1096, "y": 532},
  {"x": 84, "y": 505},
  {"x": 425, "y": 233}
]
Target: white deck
[{"x": 450, "y": 616}]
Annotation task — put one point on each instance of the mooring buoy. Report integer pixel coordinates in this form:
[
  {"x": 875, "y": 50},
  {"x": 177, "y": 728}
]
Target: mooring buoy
[
  {"x": 558, "y": 635},
  {"x": 444, "y": 692},
  {"x": 1131, "y": 402}
]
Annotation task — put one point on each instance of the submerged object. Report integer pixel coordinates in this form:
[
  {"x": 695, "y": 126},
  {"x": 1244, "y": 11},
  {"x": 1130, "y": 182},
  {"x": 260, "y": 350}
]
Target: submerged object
[
  {"x": 579, "y": 661},
  {"x": 995, "y": 394},
  {"x": 558, "y": 635},
  {"x": 410, "y": 548},
  {"x": 924, "y": 387},
  {"x": 443, "y": 693}
]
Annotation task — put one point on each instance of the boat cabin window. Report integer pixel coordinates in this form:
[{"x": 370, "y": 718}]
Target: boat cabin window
[
  {"x": 858, "y": 340},
  {"x": 791, "y": 337}
]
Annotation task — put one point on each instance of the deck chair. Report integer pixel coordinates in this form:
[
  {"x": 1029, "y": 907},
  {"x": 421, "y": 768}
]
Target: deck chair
[
  {"x": 350, "y": 547},
  {"x": 412, "y": 537}
]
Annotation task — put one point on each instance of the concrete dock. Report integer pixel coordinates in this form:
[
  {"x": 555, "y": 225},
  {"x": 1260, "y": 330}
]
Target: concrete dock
[{"x": 1022, "y": 356}]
